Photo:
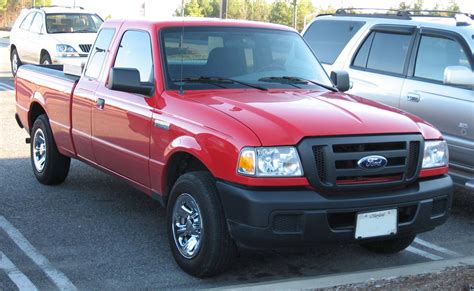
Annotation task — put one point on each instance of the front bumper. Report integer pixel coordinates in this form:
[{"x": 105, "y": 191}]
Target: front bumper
[
  {"x": 69, "y": 60},
  {"x": 281, "y": 217}
]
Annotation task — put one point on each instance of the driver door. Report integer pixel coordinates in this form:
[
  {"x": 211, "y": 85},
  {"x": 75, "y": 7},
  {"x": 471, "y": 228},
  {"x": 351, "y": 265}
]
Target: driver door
[{"x": 121, "y": 121}]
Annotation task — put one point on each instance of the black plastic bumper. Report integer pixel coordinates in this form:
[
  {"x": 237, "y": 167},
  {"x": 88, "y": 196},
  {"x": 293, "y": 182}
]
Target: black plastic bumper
[{"x": 265, "y": 218}]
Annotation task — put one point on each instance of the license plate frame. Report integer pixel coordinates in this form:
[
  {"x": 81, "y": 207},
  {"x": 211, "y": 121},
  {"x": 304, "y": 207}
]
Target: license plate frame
[{"x": 376, "y": 223}]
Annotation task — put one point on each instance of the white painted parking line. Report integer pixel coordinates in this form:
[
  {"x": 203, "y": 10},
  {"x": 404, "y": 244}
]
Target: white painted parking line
[
  {"x": 423, "y": 253},
  {"x": 437, "y": 248},
  {"x": 58, "y": 278},
  {"x": 20, "y": 280}
]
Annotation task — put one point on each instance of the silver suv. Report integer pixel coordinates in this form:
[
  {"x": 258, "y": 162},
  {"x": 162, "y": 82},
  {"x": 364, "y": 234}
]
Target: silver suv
[
  {"x": 417, "y": 61},
  {"x": 52, "y": 35}
]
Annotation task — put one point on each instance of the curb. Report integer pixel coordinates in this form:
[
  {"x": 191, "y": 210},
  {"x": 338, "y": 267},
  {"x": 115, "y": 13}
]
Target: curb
[{"x": 357, "y": 277}]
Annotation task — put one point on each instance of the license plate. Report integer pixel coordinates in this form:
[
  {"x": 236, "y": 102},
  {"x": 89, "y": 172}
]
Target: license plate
[{"x": 379, "y": 223}]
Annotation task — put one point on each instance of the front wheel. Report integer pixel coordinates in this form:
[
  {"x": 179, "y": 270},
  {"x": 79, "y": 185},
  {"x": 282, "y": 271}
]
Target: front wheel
[
  {"x": 49, "y": 166},
  {"x": 197, "y": 228},
  {"x": 389, "y": 246},
  {"x": 45, "y": 59},
  {"x": 15, "y": 61}
]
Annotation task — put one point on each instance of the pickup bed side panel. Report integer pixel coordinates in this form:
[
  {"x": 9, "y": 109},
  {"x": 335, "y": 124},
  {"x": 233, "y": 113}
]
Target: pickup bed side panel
[{"x": 52, "y": 90}]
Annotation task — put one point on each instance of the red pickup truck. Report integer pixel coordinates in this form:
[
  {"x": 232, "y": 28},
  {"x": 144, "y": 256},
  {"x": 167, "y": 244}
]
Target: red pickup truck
[{"x": 238, "y": 131}]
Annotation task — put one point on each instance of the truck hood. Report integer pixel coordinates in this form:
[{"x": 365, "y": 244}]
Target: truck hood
[{"x": 280, "y": 117}]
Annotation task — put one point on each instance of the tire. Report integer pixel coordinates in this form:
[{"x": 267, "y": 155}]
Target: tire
[
  {"x": 389, "y": 246},
  {"x": 49, "y": 166},
  {"x": 215, "y": 250},
  {"x": 45, "y": 59},
  {"x": 15, "y": 61}
]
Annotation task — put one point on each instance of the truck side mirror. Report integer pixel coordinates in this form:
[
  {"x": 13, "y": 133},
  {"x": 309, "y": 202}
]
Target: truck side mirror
[
  {"x": 341, "y": 80},
  {"x": 128, "y": 80},
  {"x": 458, "y": 75}
]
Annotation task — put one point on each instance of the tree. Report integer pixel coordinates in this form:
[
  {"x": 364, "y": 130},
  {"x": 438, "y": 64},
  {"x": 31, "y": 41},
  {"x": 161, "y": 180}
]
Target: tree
[
  {"x": 258, "y": 10},
  {"x": 305, "y": 7},
  {"x": 418, "y": 5},
  {"x": 193, "y": 8},
  {"x": 3, "y": 5},
  {"x": 281, "y": 12},
  {"x": 453, "y": 6}
]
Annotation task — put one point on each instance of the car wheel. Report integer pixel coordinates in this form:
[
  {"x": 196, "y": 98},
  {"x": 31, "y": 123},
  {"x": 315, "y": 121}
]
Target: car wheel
[
  {"x": 389, "y": 246},
  {"x": 15, "y": 62},
  {"x": 197, "y": 227},
  {"x": 49, "y": 166},
  {"x": 45, "y": 59}
]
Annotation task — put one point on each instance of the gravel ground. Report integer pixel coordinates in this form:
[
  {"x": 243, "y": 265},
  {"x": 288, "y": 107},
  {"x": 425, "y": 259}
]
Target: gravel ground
[{"x": 454, "y": 278}]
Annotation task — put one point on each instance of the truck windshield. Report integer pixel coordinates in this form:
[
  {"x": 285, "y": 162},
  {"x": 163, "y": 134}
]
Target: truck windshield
[
  {"x": 265, "y": 58},
  {"x": 72, "y": 23}
]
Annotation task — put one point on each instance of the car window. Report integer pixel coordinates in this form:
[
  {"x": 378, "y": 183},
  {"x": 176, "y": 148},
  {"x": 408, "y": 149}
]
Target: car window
[
  {"x": 363, "y": 54},
  {"x": 329, "y": 37},
  {"x": 27, "y": 21},
  {"x": 98, "y": 53},
  {"x": 72, "y": 23},
  {"x": 437, "y": 53},
  {"x": 135, "y": 52},
  {"x": 383, "y": 51},
  {"x": 37, "y": 23},
  {"x": 250, "y": 55}
]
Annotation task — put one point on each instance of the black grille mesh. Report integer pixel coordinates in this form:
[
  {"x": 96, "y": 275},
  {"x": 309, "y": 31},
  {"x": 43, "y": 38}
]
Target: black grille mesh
[
  {"x": 320, "y": 163},
  {"x": 85, "y": 47},
  {"x": 413, "y": 159},
  {"x": 286, "y": 223}
]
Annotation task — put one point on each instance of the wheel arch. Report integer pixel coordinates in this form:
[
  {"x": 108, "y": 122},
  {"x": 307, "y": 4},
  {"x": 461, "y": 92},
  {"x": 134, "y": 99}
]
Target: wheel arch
[
  {"x": 36, "y": 109},
  {"x": 181, "y": 161}
]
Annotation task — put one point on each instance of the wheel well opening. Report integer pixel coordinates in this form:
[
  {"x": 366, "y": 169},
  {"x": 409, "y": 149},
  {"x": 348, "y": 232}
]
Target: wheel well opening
[
  {"x": 43, "y": 52},
  {"x": 35, "y": 111},
  {"x": 179, "y": 164},
  {"x": 12, "y": 47}
]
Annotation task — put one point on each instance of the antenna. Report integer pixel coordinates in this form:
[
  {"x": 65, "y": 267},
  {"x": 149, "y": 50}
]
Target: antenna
[{"x": 181, "y": 83}]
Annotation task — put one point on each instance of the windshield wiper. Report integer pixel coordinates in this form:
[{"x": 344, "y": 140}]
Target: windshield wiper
[
  {"x": 290, "y": 80},
  {"x": 217, "y": 81}
]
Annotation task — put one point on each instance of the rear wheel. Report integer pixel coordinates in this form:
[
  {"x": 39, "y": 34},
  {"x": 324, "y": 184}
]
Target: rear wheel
[
  {"x": 15, "y": 61},
  {"x": 45, "y": 59},
  {"x": 49, "y": 166},
  {"x": 389, "y": 246},
  {"x": 197, "y": 227}
]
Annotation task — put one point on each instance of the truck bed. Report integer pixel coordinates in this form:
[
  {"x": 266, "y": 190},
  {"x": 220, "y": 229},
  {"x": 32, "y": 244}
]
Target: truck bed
[{"x": 38, "y": 83}]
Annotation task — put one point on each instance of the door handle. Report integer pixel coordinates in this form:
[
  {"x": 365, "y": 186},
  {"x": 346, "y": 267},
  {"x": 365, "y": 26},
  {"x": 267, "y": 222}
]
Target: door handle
[
  {"x": 413, "y": 97},
  {"x": 99, "y": 103}
]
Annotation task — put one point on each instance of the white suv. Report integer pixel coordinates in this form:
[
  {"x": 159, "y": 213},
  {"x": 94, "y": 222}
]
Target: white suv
[
  {"x": 50, "y": 35},
  {"x": 418, "y": 61}
]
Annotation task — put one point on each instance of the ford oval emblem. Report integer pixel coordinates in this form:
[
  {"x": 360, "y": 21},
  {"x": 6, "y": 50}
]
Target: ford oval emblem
[{"x": 372, "y": 162}]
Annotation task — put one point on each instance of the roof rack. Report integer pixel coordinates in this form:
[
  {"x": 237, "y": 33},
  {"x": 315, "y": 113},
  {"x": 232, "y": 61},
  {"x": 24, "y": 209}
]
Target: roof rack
[
  {"x": 402, "y": 14},
  {"x": 57, "y": 6}
]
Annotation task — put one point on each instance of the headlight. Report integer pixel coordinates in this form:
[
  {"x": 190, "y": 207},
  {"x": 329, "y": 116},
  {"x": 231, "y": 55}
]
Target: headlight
[
  {"x": 65, "y": 50},
  {"x": 436, "y": 154},
  {"x": 270, "y": 162}
]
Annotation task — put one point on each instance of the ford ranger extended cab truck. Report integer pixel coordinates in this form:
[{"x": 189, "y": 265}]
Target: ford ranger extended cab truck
[{"x": 236, "y": 128}]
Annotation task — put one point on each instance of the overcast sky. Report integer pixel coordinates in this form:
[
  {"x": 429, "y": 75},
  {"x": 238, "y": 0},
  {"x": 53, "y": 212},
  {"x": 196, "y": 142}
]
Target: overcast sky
[{"x": 165, "y": 8}]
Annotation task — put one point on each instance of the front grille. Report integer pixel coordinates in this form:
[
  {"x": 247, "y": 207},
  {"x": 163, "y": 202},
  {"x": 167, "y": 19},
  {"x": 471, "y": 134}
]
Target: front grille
[
  {"x": 85, "y": 47},
  {"x": 332, "y": 163}
]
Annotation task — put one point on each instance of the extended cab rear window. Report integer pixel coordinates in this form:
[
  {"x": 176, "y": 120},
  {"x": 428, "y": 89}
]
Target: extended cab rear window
[{"x": 329, "y": 37}]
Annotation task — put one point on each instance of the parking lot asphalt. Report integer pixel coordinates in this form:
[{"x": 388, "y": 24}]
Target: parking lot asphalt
[{"x": 95, "y": 232}]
